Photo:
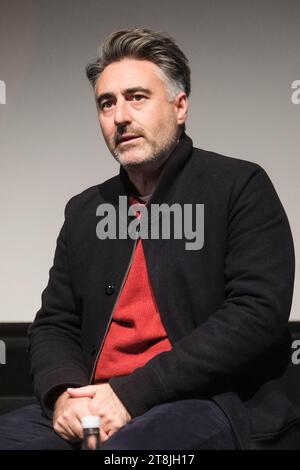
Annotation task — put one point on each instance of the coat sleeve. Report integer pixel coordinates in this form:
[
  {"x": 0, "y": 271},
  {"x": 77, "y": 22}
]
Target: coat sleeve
[
  {"x": 259, "y": 274},
  {"x": 55, "y": 334}
]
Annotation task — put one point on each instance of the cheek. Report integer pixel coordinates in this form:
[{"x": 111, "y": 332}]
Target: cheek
[
  {"x": 165, "y": 122},
  {"x": 153, "y": 121}
]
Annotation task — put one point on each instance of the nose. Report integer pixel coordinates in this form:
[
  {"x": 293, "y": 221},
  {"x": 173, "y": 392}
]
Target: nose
[{"x": 122, "y": 113}]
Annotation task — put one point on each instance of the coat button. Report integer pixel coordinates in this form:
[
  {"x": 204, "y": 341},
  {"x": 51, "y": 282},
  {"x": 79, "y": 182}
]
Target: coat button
[{"x": 109, "y": 290}]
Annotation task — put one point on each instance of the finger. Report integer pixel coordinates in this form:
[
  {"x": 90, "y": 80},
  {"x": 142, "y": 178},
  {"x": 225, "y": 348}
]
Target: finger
[
  {"x": 64, "y": 431},
  {"x": 68, "y": 425},
  {"x": 95, "y": 406},
  {"x": 88, "y": 391},
  {"x": 77, "y": 428},
  {"x": 65, "y": 436},
  {"x": 103, "y": 435}
]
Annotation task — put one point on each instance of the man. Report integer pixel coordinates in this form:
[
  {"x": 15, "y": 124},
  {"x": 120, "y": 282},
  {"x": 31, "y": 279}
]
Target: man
[{"x": 174, "y": 347}]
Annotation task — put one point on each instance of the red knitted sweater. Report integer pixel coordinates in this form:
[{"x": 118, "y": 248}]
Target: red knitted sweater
[{"x": 136, "y": 333}]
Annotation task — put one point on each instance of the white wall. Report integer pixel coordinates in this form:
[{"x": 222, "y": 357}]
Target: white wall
[{"x": 244, "y": 58}]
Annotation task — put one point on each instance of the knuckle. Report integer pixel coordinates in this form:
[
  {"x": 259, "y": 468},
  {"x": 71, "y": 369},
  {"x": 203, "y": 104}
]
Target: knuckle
[
  {"x": 56, "y": 427},
  {"x": 64, "y": 416},
  {"x": 59, "y": 422},
  {"x": 94, "y": 409}
]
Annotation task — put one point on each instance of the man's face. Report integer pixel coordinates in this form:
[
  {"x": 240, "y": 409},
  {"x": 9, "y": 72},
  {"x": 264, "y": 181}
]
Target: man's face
[{"x": 138, "y": 121}]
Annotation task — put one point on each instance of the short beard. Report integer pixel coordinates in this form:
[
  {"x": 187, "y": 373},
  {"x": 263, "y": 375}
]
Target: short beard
[{"x": 151, "y": 162}]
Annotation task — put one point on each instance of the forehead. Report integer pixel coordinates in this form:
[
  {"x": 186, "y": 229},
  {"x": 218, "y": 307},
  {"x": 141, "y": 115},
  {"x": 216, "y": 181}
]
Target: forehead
[{"x": 129, "y": 73}]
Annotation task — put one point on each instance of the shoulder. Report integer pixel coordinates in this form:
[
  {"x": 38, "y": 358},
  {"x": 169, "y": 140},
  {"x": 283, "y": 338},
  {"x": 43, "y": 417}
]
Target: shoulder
[
  {"x": 222, "y": 164},
  {"x": 231, "y": 179},
  {"x": 91, "y": 197},
  {"x": 229, "y": 173}
]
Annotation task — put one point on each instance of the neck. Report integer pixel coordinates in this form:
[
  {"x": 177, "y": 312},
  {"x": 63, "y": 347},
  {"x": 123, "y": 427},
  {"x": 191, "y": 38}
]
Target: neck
[
  {"x": 145, "y": 182},
  {"x": 146, "y": 178}
]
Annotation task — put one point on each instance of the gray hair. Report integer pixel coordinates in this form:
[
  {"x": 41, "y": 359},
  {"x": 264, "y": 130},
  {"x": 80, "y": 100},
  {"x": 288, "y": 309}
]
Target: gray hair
[{"x": 143, "y": 44}]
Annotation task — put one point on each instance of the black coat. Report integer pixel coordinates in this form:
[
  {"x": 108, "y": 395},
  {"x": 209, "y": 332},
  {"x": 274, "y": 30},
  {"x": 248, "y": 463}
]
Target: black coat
[{"x": 225, "y": 307}]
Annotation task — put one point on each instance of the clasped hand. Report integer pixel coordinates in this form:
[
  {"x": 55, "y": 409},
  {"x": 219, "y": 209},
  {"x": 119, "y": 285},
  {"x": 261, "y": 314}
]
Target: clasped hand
[{"x": 98, "y": 400}]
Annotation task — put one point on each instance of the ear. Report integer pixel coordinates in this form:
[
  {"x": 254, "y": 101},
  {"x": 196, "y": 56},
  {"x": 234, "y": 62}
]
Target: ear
[{"x": 181, "y": 107}]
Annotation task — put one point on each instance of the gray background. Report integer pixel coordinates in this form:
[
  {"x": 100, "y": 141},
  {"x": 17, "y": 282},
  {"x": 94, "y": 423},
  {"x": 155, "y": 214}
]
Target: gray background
[{"x": 244, "y": 57}]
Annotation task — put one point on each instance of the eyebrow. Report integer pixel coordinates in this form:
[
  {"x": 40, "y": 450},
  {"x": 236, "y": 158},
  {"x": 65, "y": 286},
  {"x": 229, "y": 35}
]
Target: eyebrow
[{"x": 127, "y": 91}]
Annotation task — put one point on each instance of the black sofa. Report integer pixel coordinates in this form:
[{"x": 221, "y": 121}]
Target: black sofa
[{"x": 15, "y": 384}]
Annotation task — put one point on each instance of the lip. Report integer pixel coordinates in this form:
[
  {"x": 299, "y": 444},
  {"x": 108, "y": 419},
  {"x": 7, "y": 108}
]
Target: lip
[{"x": 127, "y": 138}]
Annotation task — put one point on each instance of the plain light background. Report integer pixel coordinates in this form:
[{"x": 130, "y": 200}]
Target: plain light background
[{"x": 244, "y": 57}]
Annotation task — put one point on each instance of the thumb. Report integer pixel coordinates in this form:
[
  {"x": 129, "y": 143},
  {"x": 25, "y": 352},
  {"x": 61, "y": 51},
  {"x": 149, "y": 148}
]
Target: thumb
[{"x": 88, "y": 391}]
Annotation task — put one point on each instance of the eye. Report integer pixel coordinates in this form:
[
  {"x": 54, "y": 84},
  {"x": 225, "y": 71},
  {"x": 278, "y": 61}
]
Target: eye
[
  {"x": 137, "y": 97},
  {"x": 106, "y": 104}
]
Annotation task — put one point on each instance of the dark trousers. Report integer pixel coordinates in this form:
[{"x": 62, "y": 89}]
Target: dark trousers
[{"x": 181, "y": 425}]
